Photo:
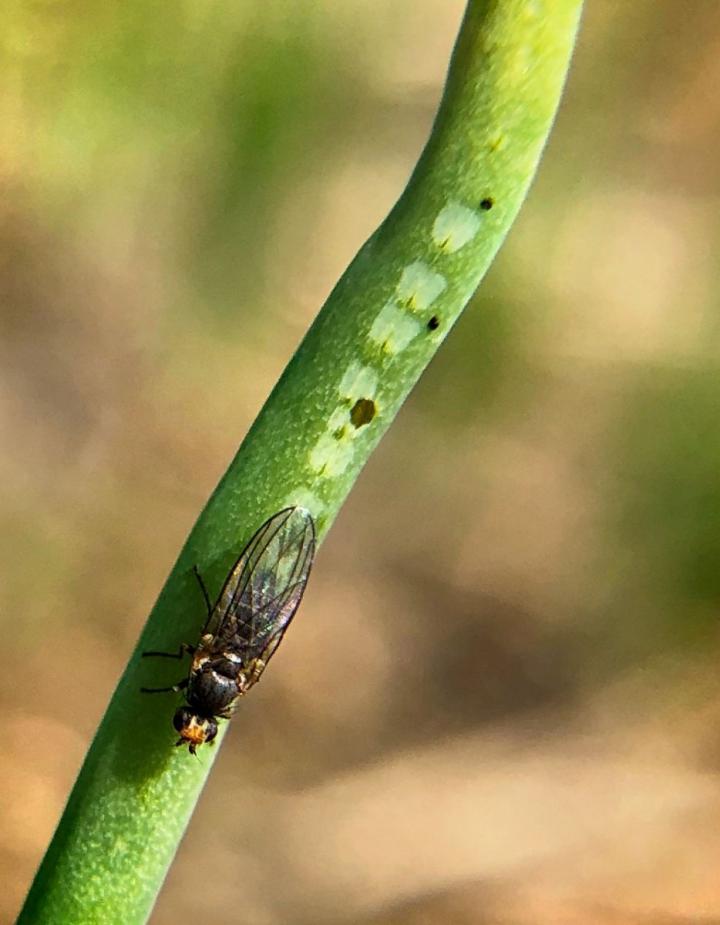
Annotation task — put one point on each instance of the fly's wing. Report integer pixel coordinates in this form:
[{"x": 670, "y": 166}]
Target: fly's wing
[{"x": 266, "y": 585}]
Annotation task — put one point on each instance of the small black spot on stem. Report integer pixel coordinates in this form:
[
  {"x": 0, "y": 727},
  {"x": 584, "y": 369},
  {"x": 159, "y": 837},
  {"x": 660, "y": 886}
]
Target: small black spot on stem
[
  {"x": 362, "y": 412},
  {"x": 486, "y": 204},
  {"x": 434, "y": 323}
]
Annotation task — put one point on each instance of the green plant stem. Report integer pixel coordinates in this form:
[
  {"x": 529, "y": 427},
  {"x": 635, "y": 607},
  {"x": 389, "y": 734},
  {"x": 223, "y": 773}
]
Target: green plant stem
[{"x": 383, "y": 322}]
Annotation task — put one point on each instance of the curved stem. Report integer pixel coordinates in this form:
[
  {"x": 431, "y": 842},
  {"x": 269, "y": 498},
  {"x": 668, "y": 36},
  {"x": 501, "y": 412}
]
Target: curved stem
[{"x": 380, "y": 327}]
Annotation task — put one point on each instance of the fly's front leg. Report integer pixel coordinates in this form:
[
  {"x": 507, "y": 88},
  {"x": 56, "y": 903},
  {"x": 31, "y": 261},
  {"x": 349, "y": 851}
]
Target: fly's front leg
[
  {"x": 180, "y": 686},
  {"x": 184, "y": 648},
  {"x": 204, "y": 590}
]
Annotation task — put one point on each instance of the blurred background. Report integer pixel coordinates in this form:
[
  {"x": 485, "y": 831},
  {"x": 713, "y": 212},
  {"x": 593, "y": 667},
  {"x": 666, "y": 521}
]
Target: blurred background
[{"x": 500, "y": 702}]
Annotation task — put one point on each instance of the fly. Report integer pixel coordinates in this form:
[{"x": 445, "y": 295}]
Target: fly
[{"x": 245, "y": 626}]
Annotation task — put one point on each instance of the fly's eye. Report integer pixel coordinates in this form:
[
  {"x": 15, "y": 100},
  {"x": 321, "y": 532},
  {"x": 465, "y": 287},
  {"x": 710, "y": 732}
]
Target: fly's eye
[
  {"x": 183, "y": 716},
  {"x": 211, "y": 730}
]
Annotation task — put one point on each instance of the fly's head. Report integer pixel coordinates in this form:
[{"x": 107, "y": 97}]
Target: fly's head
[{"x": 194, "y": 730}]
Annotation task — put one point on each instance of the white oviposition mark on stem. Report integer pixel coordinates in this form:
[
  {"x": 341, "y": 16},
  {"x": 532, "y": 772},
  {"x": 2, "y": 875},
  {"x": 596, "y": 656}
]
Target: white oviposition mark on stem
[
  {"x": 331, "y": 455},
  {"x": 419, "y": 286},
  {"x": 306, "y": 499},
  {"x": 393, "y": 328},
  {"x": 454, "y": 226},
  {"x": 358, "y": 380}
]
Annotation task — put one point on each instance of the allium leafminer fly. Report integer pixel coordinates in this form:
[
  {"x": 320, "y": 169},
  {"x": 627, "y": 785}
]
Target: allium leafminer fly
[{"x": 245, "y": 626}]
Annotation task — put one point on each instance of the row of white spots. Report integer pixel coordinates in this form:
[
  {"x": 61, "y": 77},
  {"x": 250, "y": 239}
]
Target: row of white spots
[
  {"x": 395, "y": 326},
  {"x": 333, "y": 451}
]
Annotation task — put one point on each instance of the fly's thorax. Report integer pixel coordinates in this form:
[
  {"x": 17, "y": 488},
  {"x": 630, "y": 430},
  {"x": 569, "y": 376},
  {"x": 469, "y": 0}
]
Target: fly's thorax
[
  {"x": 228, "y": 664},
  {"x": 214, "y": 685}
]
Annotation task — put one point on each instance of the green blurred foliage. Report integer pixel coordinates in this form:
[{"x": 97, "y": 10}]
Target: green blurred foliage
[{"x": 668, "y": 504}]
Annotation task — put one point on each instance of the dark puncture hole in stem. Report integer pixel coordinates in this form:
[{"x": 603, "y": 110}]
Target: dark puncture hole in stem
[
  {"x": 362, "y": 412},
  {"x": 434, "y": 323},
  {"x": 486, "y": 204}
]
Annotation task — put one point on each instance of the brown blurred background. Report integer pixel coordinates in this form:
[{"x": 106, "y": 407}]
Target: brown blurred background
[{"x": 499, "y": 703}]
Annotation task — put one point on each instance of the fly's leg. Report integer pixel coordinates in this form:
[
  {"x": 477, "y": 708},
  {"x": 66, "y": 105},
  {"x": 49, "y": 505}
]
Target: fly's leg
[
  {"x": 204, "y": 590},
  {"x": 252, "y": 676},
  {"x": 180, "y": 686},
  {"x": 258, "y": 666},
  {"x": 184, "y": 648},
  {"x": 228, "y": 712}
]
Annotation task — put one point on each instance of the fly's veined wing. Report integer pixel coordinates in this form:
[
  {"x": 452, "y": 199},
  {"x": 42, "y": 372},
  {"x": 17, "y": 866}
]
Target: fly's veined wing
[{"x": 266, "y": 585}]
